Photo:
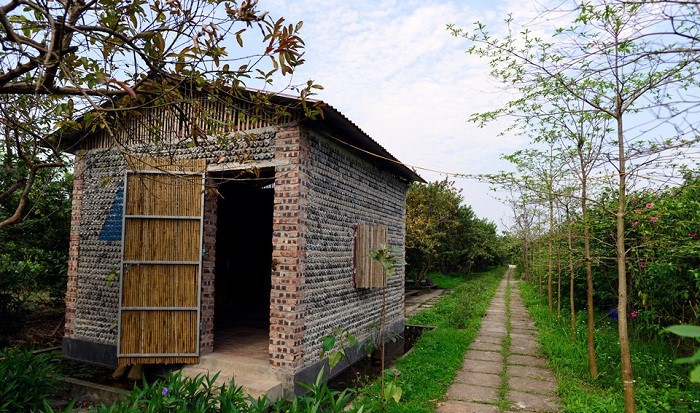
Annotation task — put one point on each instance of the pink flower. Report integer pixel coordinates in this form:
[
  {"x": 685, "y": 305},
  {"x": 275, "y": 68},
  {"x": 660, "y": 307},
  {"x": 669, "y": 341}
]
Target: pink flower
[
  {"x": 654, "y": 219},
  {"x": 635, "y": 223},
  {"x": 693, "y": 235},
  {"x": 642, "y": 265},
  {"x": 634, "y": 314},
  {"x": 612, "y": 234},
  {"x": 649, "y": 205}
]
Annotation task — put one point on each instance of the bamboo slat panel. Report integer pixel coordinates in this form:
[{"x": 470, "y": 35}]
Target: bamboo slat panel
[
  {"x": 159, "y": 332},
  {"x": 368, "y": 272},
  {"x": 130, "y": 361},
  {"x": 160, "y": 286},
  {"x": 162, "y": 226},
  {"x": 164, "y": 194},
  {"x": 161, "y": 239},
  {"x": 165, "y": 164}
]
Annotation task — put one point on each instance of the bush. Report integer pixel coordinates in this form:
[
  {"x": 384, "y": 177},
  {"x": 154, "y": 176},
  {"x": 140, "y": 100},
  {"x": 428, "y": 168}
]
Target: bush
[
  {"x": 26, "y": 380},
  {"x": 177, "y": 394},
  {"x": 201, "y": 394}
]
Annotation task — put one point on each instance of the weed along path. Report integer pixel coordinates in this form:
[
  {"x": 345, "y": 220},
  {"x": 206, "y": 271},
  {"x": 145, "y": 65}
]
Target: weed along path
[{"x": 504, "y": 370}]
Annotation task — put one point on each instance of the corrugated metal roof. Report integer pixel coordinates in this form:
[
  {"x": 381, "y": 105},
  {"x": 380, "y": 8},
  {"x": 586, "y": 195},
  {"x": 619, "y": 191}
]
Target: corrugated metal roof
[
  {"x": 348, "y": 134},
  {"x": 364, "y": 144},
  {"x": 354, "y": 137}
]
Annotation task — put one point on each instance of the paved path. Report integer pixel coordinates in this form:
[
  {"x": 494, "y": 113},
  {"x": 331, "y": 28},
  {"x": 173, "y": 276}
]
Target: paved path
[
  {"x": 504, "y": 370},
  {"x": 414, "y": 303}
]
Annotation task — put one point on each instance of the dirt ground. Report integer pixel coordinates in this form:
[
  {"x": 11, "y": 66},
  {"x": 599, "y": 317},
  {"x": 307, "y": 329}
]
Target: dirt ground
[{"x": 42, "y": 329}]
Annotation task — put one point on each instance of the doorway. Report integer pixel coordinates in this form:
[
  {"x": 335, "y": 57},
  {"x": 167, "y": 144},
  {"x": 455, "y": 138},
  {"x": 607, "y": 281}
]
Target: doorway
[{"x": 243, "y": 265}]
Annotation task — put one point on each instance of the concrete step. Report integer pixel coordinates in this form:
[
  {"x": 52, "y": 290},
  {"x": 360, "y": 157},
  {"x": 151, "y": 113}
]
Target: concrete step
[
  {"x": 240, "y": 364},
  {"x": 253, "y": 375}
]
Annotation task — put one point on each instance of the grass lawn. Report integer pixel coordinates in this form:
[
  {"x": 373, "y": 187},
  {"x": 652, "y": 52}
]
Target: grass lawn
[
  {"x": 660, "y": 385},
  {"x": 429, "y": 369}
]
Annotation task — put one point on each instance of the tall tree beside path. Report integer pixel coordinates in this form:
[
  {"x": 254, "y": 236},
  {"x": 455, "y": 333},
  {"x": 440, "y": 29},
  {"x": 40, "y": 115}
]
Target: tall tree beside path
[
  {"x": 622, "y": 61},
  {"x": 61, "y": 59},
  {"x": 539, "y": 173}
]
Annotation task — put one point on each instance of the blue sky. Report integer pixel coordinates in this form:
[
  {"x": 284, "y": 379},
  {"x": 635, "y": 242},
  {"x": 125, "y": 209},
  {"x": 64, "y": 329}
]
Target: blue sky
[{"x": 393, "y": 69}]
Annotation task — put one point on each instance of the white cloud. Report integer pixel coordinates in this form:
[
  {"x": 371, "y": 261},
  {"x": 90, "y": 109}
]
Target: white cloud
[{"x": 393, "y": 69}]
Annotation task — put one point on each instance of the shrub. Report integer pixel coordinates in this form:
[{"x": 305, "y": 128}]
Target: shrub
[
  {"x": 202, "y": 395},
  {"x": 320, "y": 398},
  {"x": 177, "y": 394},
  {"x": 26, "y": 380}
]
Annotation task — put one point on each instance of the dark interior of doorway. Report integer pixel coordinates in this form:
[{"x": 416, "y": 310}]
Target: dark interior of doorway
[{"x": 243, "y": 259}]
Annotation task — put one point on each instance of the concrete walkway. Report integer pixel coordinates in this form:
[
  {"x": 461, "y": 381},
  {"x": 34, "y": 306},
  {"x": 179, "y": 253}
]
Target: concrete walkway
[
  {"x": 416, "y": 301},
  {"x": 504, "y": 370}
]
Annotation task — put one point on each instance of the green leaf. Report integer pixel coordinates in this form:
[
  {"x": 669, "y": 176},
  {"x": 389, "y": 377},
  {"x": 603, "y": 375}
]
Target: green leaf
[
  {"x": 328, "y": 343},
  {"x": 335, "y": 358},
  {"x": 685, "y": 330},
  {"x": 695, "y": 374},
  {"x": 695, "y": 358},
  {"x": 352, "y": 341},
  {"x": 392, "y": 391}
]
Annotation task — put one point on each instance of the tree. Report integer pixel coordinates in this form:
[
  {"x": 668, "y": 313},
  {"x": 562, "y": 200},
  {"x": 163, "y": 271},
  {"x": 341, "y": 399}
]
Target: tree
[
  {"x": 524, "y": 217},
  {"x": 33, "y": 253},
  {"x": 443, "y": 234},
  {"x": 93, "y": 58},
  {"x": 430, "y": 213},
  {"x": 572, "y": 275},
  {"x": 619, "y": 60},
  {"x": 580, "y": 135},
  {"x": 538, "y": 174}
]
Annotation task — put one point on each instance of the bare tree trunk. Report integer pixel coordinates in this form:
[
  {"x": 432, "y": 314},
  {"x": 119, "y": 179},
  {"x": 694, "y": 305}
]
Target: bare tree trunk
[
  {"x": 550, "y": 249},
  {"x": 592, "y": 364},
  {"x": 558, "y": 246},
  {"x": 540, "y": 277},
  {"x": 572, "y": 309},
  {"x": 625, "y": 357},
  {"x": 526, "y": 259}
]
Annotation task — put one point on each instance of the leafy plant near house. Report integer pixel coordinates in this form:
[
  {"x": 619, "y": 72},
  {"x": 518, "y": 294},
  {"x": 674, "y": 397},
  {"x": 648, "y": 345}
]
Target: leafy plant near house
[
  {"x": 320, "y": 399},
  {"x": 201, "y": 394},
  {"x": 333, "y": 346},
  {"x": 184, "y": 394},
  {"x": 389, "y": 258},
  {"x": 29, "y": 381},
  {"x": 26, "y": 380}
]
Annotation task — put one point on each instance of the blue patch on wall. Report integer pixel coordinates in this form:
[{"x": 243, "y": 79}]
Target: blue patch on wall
[{"x": 112, "y": 229}]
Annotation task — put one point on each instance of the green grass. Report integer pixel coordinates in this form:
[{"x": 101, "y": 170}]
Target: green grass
[
  {"x": 446, "y": 281},
  {"x": 660, "y": 385},
  {"x": 428, "y": 370}
]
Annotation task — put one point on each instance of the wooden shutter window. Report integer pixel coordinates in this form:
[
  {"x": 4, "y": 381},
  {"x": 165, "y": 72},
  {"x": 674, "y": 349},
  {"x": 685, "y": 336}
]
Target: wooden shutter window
[{"x": 369, "y": 273}]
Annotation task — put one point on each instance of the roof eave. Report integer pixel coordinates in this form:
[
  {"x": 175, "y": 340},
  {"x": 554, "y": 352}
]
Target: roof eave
[{"x": 363, "y": 143}]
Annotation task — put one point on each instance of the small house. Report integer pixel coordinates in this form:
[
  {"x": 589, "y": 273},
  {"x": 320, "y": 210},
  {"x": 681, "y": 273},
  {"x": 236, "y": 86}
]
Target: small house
[{"x": 200, "y": 230}]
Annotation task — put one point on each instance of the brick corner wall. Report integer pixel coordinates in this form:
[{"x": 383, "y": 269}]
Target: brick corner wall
[
  {"x": 286, "y": 346},
  {"x": 206, "y": 332}
]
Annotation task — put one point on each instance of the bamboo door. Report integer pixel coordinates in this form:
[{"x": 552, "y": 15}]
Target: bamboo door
[{"x": 160, "y": 279}]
